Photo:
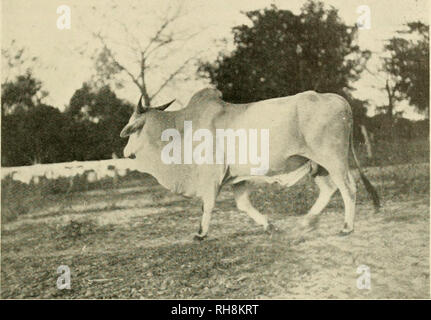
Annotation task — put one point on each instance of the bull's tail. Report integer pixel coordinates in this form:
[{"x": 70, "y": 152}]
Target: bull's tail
[{"x": 368, "y": 186}]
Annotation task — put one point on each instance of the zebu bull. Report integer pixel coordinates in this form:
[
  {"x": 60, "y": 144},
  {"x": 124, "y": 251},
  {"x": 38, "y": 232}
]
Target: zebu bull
[{"x": 309, "y": 133}]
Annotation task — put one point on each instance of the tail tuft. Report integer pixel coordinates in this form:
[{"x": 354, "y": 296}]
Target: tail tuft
[
  {"x": 372, "y": 191},
  {"x": 368, "y": 186}
]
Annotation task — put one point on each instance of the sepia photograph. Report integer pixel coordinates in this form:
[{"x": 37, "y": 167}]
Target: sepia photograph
[{"x": 209, "y": 150}]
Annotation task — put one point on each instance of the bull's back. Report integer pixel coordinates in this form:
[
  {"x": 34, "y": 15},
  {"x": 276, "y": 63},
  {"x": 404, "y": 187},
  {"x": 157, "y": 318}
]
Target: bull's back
[
  {"x": 297, "y": 124},
  {"x": 294, "y": 116},
  {"x": 325, "y": 122},
  {"x": 277, "y": 117}
]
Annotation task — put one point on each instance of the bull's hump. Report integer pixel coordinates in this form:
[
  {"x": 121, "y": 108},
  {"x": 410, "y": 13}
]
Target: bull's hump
[
  {"x": 203, "y": 95},
  {"x": 203, "y": 107},
  {"x": 309, "y": 96}
]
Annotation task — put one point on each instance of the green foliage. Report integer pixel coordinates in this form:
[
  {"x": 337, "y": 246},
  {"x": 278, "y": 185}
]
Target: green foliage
[
  {"x": 20, "y": 95},
  {"x": 408, "y": 65},
  {"x": 33, "y": 132},
  {"x": 359, "y": 109},
  {"x": 387, "y": 129},
  {"x": 282, "y": 54},
  {"x": 35, "y": 135},
  {"x": 101, "y": 116}
]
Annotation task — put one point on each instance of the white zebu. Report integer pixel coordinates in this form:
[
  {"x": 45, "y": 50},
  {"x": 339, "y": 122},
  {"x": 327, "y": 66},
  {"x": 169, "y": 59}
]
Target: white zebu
[{"x": 309, "y": 133}]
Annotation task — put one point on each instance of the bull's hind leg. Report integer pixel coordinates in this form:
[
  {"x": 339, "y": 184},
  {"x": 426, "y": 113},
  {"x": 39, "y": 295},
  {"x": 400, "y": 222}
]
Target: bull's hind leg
[
  {"x": 327, "y": 189},
  {"x": 345, "y": 182},
  {"x": 340, "y": 177},
  {"x": 208, "y": 203},
  {"x": 243, "y": 203}
]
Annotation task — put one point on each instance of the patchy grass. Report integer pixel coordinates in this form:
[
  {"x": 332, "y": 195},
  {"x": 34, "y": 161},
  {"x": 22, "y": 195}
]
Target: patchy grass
[
  {"x": 18, "y": 198},
  {"x": 399, "y": 151},
  {"x": 142, "y": 247}
]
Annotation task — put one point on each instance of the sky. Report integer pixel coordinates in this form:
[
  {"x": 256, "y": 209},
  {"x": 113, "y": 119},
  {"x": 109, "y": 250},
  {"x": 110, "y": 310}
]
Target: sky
[{"x": 64, "y": 56}]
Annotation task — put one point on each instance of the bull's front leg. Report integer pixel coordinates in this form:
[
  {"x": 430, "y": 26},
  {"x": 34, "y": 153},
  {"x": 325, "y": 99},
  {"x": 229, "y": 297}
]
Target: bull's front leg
[
  {"x": 207, "y": 208},
  {"x": 243, "y": 203}
]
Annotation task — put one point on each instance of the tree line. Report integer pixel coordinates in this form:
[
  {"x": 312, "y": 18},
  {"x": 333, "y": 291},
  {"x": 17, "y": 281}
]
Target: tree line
[
  {"x": 88, "y": 129},
  {"x": 278, "y": 53}
]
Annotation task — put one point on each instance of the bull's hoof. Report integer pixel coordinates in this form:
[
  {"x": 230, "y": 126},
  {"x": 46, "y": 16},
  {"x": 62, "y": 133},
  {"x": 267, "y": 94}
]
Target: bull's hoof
[
  {"x": 310, "y": 222},
  {"x": 345, "y": 232},
  {"x": 271, "y": 229},
  {"x": 199, "y": 237},
  {"x": 299, "y": 240}
]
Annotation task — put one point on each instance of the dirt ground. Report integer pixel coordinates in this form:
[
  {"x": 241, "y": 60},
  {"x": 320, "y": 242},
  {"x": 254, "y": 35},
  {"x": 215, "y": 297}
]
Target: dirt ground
[{"x": 137, "y": 242}]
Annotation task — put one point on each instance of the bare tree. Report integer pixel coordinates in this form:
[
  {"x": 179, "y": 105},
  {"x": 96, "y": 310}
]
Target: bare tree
[
  {"x": 149, "y": 54},
  {"x": 391, "y": 92},
  {"x": 16, "y": 61}
]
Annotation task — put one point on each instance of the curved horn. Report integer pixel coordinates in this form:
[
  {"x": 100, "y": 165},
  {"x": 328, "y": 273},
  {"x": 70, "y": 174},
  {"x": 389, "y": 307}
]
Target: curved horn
[
  {"x": 139, "y": 107},
  {"x": 163, "y": 107}
]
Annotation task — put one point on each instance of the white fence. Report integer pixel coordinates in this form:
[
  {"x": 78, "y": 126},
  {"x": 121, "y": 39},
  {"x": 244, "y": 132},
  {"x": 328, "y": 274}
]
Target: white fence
[{"x": 96, "y": 170}]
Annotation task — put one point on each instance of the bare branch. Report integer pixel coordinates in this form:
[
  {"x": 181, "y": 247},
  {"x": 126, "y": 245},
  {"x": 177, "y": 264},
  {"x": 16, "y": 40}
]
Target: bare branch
[
  {"x": 120, "y": 66},
  {"x": 144, "y": 90},
  {"x": 163, "y": 37},
  {"x": 172, "y": 76},
  {"x": 135, "y": 40},
  {"x": 157, "y": 37},
  {"x": 172, "y": 40}
]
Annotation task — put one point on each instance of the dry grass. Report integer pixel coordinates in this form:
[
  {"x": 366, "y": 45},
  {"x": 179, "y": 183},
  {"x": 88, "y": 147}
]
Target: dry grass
[{"x": 136, "y": 242}]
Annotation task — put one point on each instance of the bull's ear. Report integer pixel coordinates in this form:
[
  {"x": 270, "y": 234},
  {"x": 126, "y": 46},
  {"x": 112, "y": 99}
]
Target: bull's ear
[
  {"x": 132, "y": 127},
  {"x": 163, "y": 107}
]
